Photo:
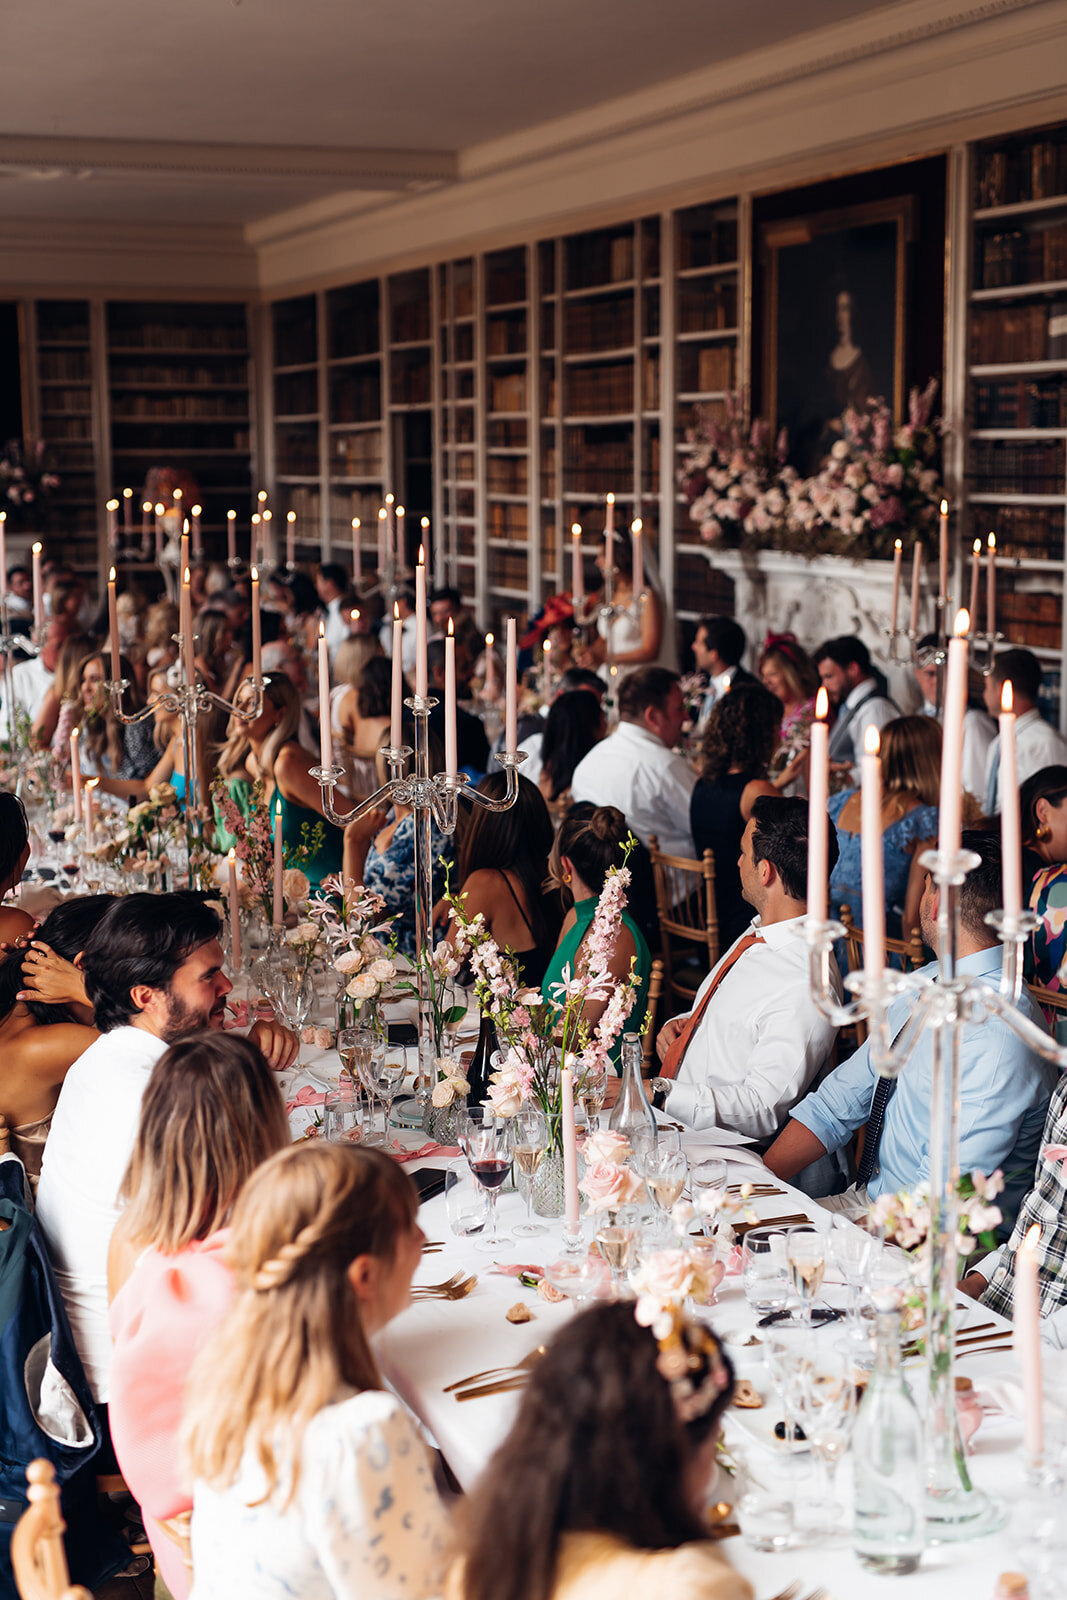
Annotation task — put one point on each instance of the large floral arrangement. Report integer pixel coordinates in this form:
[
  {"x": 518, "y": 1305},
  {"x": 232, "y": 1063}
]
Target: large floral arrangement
[
  {"x": 876, "y": 485},
  {"x": 26, "y": 477},
  {"x": 904, "y": 1218},
  {"x": 349, "y": 918},
  {"x": 254, "y": 848}
]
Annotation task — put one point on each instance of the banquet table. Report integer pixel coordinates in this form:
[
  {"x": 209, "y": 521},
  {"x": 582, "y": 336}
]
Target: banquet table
[{"x": 435, "y": 1342}]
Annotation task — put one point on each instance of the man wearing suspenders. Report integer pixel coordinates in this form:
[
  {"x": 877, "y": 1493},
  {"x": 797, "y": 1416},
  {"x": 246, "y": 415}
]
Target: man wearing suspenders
[{"x": 844, "y": 667}]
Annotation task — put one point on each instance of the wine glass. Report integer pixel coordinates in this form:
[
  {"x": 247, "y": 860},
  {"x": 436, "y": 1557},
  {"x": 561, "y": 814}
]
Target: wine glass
[
  {"x": 295, "y": 991},
  {"x": 827, "y": 1412},
  {"x": 851, "y": 1248},
  {"x": 485, "y": 1140},
  {"x": 382, "y": 1071},
  {"x": 618, "y": 1243},
  {"x": 708, "y": 1180},
  {"x": 529, "y": 1141},
  {"x": 665, "y": 1175},
  {"x": 592, "y": 1092},
  {"x": 806, "y": 1255},
  {"x": 788, "y": 1347},
  {"x": 367, "y": 1049}
]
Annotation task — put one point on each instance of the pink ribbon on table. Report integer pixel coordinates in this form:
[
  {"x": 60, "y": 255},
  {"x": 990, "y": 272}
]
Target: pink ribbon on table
[
  {"x": 236, "y": 1015},
  {"x": 1055, "y": 1152},
  {"x": 307, "y": 1096},
  {"x": 512, "y": 1269},
  {"x": 429, "y": 1149}
]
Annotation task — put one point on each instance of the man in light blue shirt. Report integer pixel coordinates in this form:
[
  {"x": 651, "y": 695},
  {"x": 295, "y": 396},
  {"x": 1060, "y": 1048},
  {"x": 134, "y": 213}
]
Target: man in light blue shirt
[{"x": 1004, "y": 1086}]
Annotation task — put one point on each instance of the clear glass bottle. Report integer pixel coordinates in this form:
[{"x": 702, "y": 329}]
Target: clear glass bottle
[
  {"x": 631, "y": 1110},
  {"x": 887, "y": 1462}
]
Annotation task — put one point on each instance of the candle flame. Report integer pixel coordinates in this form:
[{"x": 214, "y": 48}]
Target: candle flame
[
  {"x": 255, "y": 519},
  {"x": 962, "y": 624},
  {"x": 111, "y": 576},
  {"x": 146, "y": 505},
  {"x": 355, "y": 522},
  {"x": 396, "y": 610},
  {"x": 1006, "y": 696},
  {"x": 898, "y": 544},
  {"x": 576, "y": 530},
  {"x": 197, "y": 510},
  {"x": 185, "y": 525},
  {"x": 278, "y": 809},
  {"x": 322, "y": 630},
  {"x": 991, "y": 542},
  {"x": 267, "y": 514},
  {"x": 255, "y": 574},
  {"x": 159, "y": 508},
  {"x": 231, "y": 516},
  {"x": 232, "y": 856},
  {"x": 355, "y": 613},
  {"x": 389, "y": 499},
  {"x": 381, "y": 513},
  {"x": 185, "y": 580},
  {"x": 636, "y": 527},
  {"x": 37, "y": 547},
  {"x": 1032, "y": 1237},
  {"x": 871, "y": 741},
  {"x": 822, "y": 705},
  {"x": 290, "y": 516},
  {"x": 489, "y": 641},
  {"x": 425, "y": 524},
  {"x": 74, "y": 732},
  {"x": 422, "y": 555},
  {"x": 91, "y": 783},
  {"x": 977, "y": 547},
  {"x": 546, "y": 645},
  {"x": 611, "y": 499},
  {"x": 451, "y": 629},
  {"x": 177, "y": 494},
  {"x": 112, "y": 505},
  {"x": 127, "y": 494},
  {"x": 261, "y": 496},
  {"x": 400, "y": 511},
  {"x": 944, "y": 508},
  {"x": 3, "y": 516}
]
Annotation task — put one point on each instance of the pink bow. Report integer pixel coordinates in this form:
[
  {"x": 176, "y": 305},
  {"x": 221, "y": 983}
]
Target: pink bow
[
  {"x": 307, "y": 1096},
  {"x": 428, "y": 1149},
  {"x": 1055, "y": 1152},
  {"x": 236, "y": 1015}
]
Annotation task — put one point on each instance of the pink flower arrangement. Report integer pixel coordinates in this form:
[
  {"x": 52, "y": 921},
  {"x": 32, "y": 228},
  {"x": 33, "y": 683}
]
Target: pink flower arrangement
[{"x": 608, "y": 1185}]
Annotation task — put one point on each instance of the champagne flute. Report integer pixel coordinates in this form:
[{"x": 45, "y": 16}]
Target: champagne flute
[
  {"x": 827, "y": 1413},
  {"x": 592, "y": 1092},
  {"x": 485, "y": 1140},
  {"x": 852, "y": 1248},
  {"x": 805, "y": 1251},
  {"x": 529, "y": 1141},
  {"x": 665, "y": 1175},
  {"x": 708, "y": 1180},
  {"x": 618, "y": 1243},
  {"x": 368, "y": 1049}
]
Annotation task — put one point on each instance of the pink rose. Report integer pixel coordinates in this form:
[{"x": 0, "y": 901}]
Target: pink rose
[
  {"x": 607, "y": 1186},
  {"x": 606, "y": 1146}
]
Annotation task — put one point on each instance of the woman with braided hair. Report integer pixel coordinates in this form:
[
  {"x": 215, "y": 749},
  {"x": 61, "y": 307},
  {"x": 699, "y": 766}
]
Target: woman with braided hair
[
  {"x": 600, "y": 1486},
  {"x": 309, "y": 1478}
]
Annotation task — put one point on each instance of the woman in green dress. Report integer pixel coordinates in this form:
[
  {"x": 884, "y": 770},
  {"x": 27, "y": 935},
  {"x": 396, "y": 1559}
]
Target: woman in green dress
[
  {"x": 268, "y": 751},
  {"x": 590, "y": 840}
]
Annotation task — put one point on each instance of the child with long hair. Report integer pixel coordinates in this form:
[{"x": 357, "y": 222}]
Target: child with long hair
[{"x": 310, "y": 1478}]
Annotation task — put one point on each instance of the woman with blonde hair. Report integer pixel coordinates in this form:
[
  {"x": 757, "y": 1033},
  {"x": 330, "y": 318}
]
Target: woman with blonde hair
[
  {"x": 212, "y": 1113},
  {"x": 786, "y": 669},
  {"x": 268, "y": 751},
  {"x": 61, "y": 709},
  {"x": 309, "y": 1477},
  {"x": 359, "y": 708}
]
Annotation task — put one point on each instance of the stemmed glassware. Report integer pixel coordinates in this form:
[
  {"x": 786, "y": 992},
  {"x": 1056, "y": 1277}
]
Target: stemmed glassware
[
  {"x": 619, "y": 1238},
  {"x": 708, "y": 1182},
  {"x": 362, "y": 1052},
  {"x": 852, "y": 1248},
  {"x": 485, "y": 1140},
  {"x": 806, "y": 1255},
  {"x": 295, "y": 992},
  {"x": 592, "y": 1094},
  {"x": 764, "y": 1271},
  {"x": 827, "y": 1412},
  {"x": 528, "y": 1145},
  {"x": 382, "y": 1071},
  {"x": 665, "y": 1173}
]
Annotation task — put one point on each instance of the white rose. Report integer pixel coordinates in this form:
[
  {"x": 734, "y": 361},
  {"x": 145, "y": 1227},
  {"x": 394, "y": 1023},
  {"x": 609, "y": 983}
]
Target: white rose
[
  {"x": 348, "y": 962},
  {"x": 304, "y": 933},
  {"x": 295, "y": 886},
  {"x": 361, "y": 988},
  {"x": 443, "y": 1093},
  {"x": 381, "y": 971}
]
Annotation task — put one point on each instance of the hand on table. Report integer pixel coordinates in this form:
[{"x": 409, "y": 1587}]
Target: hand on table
[
  {"x": 667, "y": 1035},
  {"x": 49, "y": 979},
  {"x": 973, "y": 1285},
  {"x": 280, "y": 1047}
]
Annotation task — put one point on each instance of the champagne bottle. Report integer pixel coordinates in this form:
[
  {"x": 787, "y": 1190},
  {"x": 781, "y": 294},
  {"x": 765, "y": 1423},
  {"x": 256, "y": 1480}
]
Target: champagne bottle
[
  {"x": 478, "y": 1070},
  {"x": 631, "y": 1110}
]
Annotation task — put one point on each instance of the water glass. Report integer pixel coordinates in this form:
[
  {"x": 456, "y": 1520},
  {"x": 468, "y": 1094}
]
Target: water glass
[
  {"x": 592, "y": 1092},
  {"x": 765, "y": 1519},
  {"x": 466, "y": 1202},
  {"x": 826, "y": 1412},
  {"x": 764, "y": 1270},
  {"x": 806, "y": 1254},
  {"x": 851, "y": 1248},
  {"x": 708, "y": 1182},
  {"x": 342, "y": 1115}
]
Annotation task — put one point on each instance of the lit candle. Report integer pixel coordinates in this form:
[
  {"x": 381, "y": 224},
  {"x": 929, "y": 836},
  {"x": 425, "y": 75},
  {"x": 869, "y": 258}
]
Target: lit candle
[
  {"x": 400, "y": 547},
  {"x": 951, "y": 798},
  {"x": 577, "y": 585},
  {"x": 178, "y": 505},
  {"x": 279, "y": 903},
  {"x": 185, "y": 624},
  {"x": 398, "y": 679},
  {"x": 113, "y": 627},
  {"x": 976, "y": 569},
  {"x": 871, "y": 852},
  {"x": 420, "y": 626},
  {"x": 127, "y": 511},
  {"x": 325, "y": 730},
  {"x": 3, "y": 554},
  {"x": 451, "y": 767},
  {"x": 38, "y": 591},
  {"x": 261, "y": 499},
  {"x": 390, "y": 502},
  {"x": 90, "y": 792},
  {"x": 235, "y": 919},
  {"x": 942, "y": 555},
  {"x": 916, "y": 585},
  {"x": 424, "y": 531},
  {"x": 570, "y": 1148},
  {"x": 357, "y": 551},
  {"x": 159, "y": 510},
  {"x": 257, "y": 630},
  {"x": 266, "y": 540},
  {"x": 257, "y": 549},
  {"x": 609, "y": 538},
  {"x": 290, "y": 539},
  {"x": 1011, "y": 844},
  {"x": 183, "y": 559},
  {"x": 198, "y": 548},
  {"x": 490, "y": 667},
  {"x": 146, "y": 532},
  {"x": 818, "y": 819},
  {"x": 231, "y": 537},
  {"x": 76, "y": 774},
  {"x": 1026, "y": 1338},
  {"x": 894, "y": 613},
  {"x": 381, "y": 538},
  {"x": 353, "y": 621},
  {"x": 991, "y": 587},
  {"x": 511, "y": 685},
  {"x": 546, "y": 671},
  {"x": 112, "y": 509},
  {"x": 637, "y": 531}
]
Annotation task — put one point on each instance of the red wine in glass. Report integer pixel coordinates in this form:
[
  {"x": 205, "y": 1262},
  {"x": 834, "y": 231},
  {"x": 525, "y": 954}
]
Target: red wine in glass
[{"x": 491, "y": 1173}]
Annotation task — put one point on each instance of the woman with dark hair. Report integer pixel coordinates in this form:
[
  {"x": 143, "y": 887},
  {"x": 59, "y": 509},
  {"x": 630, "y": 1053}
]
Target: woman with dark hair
[
  {"x": 735, "y": 756},
  {"x": 599, "y": 1487},
  {"x": 1043, "y": 809},
  {"x": 168, "y": 1280},
  {"x": 41, "y": 1038},
  {"x": 14, "y": 854},
  {"x": 107, "y": 747},
  {"x": 362, "y": 716},
  {"x": 501, "y": 862},
  {"x": 575, "y": 723},
  {"x": 591, "y": 839}
]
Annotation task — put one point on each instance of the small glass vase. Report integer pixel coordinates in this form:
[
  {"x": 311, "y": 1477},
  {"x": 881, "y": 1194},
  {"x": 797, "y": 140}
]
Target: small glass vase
[
  {"x": 441, "y": 1123},
  {"x": 547, "y": 1192}
]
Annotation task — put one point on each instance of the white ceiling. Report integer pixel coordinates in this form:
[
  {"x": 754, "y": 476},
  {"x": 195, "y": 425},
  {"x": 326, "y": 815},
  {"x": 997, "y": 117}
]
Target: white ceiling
[{"x": 345, "y": 76}]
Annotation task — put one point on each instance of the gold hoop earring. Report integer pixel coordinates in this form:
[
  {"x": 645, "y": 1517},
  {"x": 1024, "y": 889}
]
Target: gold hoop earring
[
  {"x": 1041, "y": 833},
  {"x": 566, "y": 877}
]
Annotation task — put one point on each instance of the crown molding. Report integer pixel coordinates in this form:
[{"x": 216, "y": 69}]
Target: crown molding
[{"x": 123, "y": 258}]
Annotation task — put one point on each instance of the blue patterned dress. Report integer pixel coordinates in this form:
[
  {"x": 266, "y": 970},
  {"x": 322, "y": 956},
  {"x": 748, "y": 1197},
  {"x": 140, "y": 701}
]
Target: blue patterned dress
[
  {"x": 392, "y": 875},
  {"x": 898, "y": 845}
]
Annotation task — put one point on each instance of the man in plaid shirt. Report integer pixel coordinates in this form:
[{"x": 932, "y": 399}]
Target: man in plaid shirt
[{"x": 991, "y": 1281}]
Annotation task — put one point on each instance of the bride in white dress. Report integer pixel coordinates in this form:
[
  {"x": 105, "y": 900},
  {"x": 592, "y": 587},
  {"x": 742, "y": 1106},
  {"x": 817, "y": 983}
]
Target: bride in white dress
[{"x": 636, "y": 632}]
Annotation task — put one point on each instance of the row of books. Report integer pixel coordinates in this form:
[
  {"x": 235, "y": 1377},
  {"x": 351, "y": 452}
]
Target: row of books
[
  {"x": 458, "y": 385},
  {"x": 506, "y": 335},
  {"x": 1032, "y": 169},
  {"x": 1021, "y": 256},
  {"x": 178, "y": 336},
  {"x": 463, "y": 502},
  {"x": 410, "y": 384},
  {"x": 458, "y": 426},
  {"x": 220, "y": 374},
  {"x": 462, "y": 347},
  {"x": 506, "y": 521},
  {"x": 999, "y": 466},
  {"x": 69, "y": 429},
  {"x": 1036, "y": 332},
  {"x": 605, "y": 324},
  {"x": 67, "y": 365},
  {"x": 410, "y": 320},
  {"x": 296, "y": 394},
  {"x": 357, "y": 455},
  {"x": 508, "y": 569},
  {"x": 506, "y": 475},
  {"x": 180, "y": 407},
  {"x": 1030, "y": 619},
  {"x": 146, "y": 436},
  {"x": 707, "y": 305},
  {"x": 1024, "y": 533},
  {"x": 706, "y": 369},
  {"x": 1021, "y": 403},
  {"x": 355, "y": 395},
  {"x": 297, "y": 455},
  {"x": 710, "y": 245}
]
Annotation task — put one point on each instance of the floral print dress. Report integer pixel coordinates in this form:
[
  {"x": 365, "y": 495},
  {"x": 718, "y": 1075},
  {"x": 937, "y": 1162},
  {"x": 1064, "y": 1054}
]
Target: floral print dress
[{"x": 391, "y": 873}]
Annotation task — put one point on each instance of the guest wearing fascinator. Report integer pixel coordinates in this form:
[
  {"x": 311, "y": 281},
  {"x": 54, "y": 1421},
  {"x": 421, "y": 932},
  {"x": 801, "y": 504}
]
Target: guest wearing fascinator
[
  {"x": 786, "y": 669},
  {"x": 600, "y": 1487}
]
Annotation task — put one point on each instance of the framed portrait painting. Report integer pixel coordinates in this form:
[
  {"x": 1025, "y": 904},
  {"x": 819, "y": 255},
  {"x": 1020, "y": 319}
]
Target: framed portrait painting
[{"x": 833, "y": 319}]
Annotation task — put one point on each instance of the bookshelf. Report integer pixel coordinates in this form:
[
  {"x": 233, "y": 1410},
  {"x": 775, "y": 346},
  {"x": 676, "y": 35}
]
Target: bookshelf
[
  {"x": 297, "y": 380},
  {"x": 457, "y": 510},
  {"x": 67, "y": 419},
  {"x": 1016, "y": 449},
  {"x": 356, "y": 427}
]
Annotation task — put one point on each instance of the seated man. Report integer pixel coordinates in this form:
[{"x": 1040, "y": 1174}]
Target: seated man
[
  {"x": 754, "y": 1039},
  {"x": 1004, "y": 1086},
  {"x": 153, "y": 972}
]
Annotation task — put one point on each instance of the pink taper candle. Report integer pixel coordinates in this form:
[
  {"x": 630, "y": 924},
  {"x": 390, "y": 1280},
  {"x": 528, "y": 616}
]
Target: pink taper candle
[
  {"x": 570, "y": 1148},
  {"x": 198, "y": 547},
  {"x": 451, "y": 767},
  {"x": 3, "y": 554},
  {"x": 231, "y": 536},
  {"x": 76, "y": 774},
  {"x": 871, "y": 852},
  {"x": 127, "y": 511},
  {"x": 185, "y": 625},
  {"x": 420, "y": 625},
  {"x": 818, "y": 819},
  {"x": 381, "y": 538},
  {"x": 325, "y": 730},
  {"x": 113, "y": 626},
  {"x": 577, "y": 582},
  {"x": 1026, "y": 1338},
  {"x": 490, "y": 667},
  {"x": 235, "y": 918},
  {"x": 396, "y": 711},
  {"x": 90, "y": 791},
  {"x": 279, "y": 900},
  {"x": 951, "y": 797},
  {"x": 942, "y": 554},
  {"x": 1011, "y": 843},
  {"x": 146, "y": 532},
  {"x": 511, "y": 699},
  {"x": 637, "y": 530},
  {"x": 609, "y": 538},
  {"x": 257, "y": 629},
  {"x": 290, "y": 538},
  {"x": 916, "y": 586},
  {"x": 158, "y": 514},
  {"x": 38, "y": 591},
  {"x": 894, "y": 613},
  {"x": 991, "y": 586},
  {"x": 976, "y": 572},
  {"x": 112, "y": 509}
]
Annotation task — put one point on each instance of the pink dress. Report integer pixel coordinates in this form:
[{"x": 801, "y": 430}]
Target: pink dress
[{"x": 161, "y": 1317}]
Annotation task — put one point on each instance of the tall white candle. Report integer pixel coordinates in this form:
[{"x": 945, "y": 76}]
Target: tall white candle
[
  {"x": 871, "y": 853},
  {"x": 257, "y": 629},
  {"x": 185, "y": 623},
  {"x": 991, "y": 586},
  {"x": 159, "y": 510},
  {"x": 357, "y": 552},
  {"x": 3, "y": 554},
  {"x": 231, "y": 537},
  {"x": 570, "y": 1147},
  {"x": 976, "y": 572},
  {"x": 279, "y": 902},
  {"x": 112, "y": 509},
  {"x": 511, "y": 703},
  {"x": 235, "y": 918},
  {"x": 396, "y": 709},
  {"x": 942, "y": 554},
  {"x": 400, "y": 547},
  {"x": 818, "y": 818},
  {"x": 1026, "y": 1337},
  {"x": 127, "y": 511},
  {"x": 577, "y": 581},
  {"x": 916, "y": 585},
  {"x": 256, "y": 555},
  {"x": 490, "y": 667},
  {"x": 1011, "y": 844},
  {"x": 266, "y": 537},
  {"x": 894, "y": 612},
  {"x": 546, "y": 671},
  {"x": 183, "y": 558},
  {"x": 390, "y": 512},
  {"x": 261, "y": 499},
  {"x": 76, "y": 774},
  {"x": 420, "y": 626},
  {"x": 951, "y": 797},
  {"x": 198, "y": 547},
  {"x": 424, "y": 536},
  {"x": 290, "y": 538},
  {"x": 451, "y": 767},
  {"x": 90, "y": 793},
  {"x": 381, "y": 539},
  {"x": 38, "y": 589},
  {"x": 113, "y": 627},
  {"x": 325, "y": 730},
  {"x": 609, "y": 538},
  {"x": 637, "y": 531}
]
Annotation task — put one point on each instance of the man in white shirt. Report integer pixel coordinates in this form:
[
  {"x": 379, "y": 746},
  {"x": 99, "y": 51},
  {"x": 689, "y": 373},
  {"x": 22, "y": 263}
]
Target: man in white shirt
[
  {"x": 718, "y": 645},
  {"x": 405, "y": 605},
  {"x": 754, "y": 1039},
  {"x": 1036, "y": 744},
  {"x": 331, "y": 585},
  {"x": 637, "y": 769},
  {"x": 979, "y": 729},
  {"x": 19, "y": 592},
  {"x": 153, "y": 972},
  {"x": 31, "y": 679},
  {"x": 844, "y": 666}
]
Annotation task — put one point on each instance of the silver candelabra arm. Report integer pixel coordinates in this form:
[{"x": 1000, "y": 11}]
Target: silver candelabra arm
[
  {"x": 396, "y": 788},
  {"x": 169, "y": 701}
]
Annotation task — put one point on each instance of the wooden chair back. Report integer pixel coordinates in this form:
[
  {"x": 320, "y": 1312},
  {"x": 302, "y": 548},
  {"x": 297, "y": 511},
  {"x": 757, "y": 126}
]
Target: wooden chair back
[
  {"x": 688, "y": 920},
  {"x": 1054, "y": 1003},
  {"x": 909, "y": 951},
  {"x": 648, "y": 1032},
  {"x": 38, "y": 1558}
]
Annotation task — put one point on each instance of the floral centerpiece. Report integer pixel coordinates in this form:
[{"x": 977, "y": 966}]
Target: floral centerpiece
[
  {"x": 254, "y": 848},
  {"x": 150, "y": 830},
  {"x": 26, "y": 478},
  {"x": 608, "y": 1183},
  {"x": 349, "y": 917},
  {"x": 436, "y": 972},
  {"x": 904, "y": 1219},
  {"x": 730, "y": 474}
]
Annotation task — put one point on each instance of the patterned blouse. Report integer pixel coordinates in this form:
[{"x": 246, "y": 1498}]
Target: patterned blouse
[
  {"x": 392, "y": 875},
  {"x": 1048, "y": 898},
  {"x": 139, "y": 754},
  {"x": 898, "y": 845}
]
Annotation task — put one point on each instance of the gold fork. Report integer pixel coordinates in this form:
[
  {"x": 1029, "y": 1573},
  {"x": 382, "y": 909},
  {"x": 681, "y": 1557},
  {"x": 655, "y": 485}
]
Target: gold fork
[
  {"x": 423, "y": 1288},
  {"x": 455, "y": 1291},
  {"x": 790, "y": 1592},
  {"x": 527, "y": 1362},
  {"x": 502, "y": 1386}
]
